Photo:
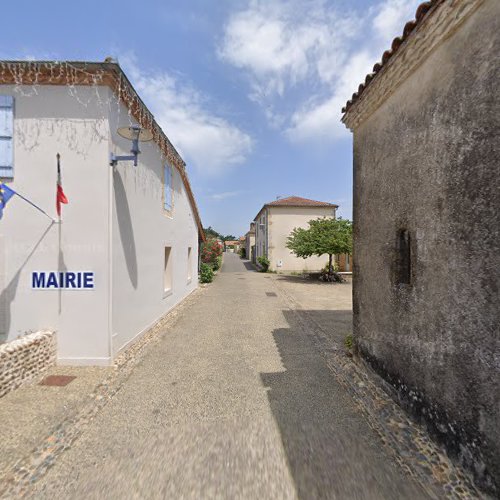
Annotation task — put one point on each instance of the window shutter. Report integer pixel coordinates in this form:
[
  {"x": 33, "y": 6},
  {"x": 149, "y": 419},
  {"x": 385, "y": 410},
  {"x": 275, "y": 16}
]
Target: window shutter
[
  {"x": 6, "y": 136},
  {"x": 167, "y": 187}
]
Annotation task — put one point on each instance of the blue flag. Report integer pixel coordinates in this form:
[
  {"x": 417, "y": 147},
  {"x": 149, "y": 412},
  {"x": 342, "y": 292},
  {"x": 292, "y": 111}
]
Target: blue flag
[{"x": 5, "y": 195}]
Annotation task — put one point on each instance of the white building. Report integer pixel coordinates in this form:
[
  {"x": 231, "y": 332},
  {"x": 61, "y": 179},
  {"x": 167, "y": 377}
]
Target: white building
[
  {"x": 273, "y": 225},
  {"x": 136, "y": 230}
]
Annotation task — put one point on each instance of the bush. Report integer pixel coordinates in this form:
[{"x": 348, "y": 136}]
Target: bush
[
  {"x": 243, "y": 252},
  {"x": 264, "y": 263},
  {"x": 210, "y": 252},
  {"x": 206, "y": 273},
  {"x": 348, "y": 341},
  {"x": 216, "y": 265}
]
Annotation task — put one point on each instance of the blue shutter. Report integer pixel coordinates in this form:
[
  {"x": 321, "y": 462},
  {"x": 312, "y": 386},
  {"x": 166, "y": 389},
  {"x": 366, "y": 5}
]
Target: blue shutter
[
  {"x": 6, "y": 134},
  {"x": 167, "y": 200}
]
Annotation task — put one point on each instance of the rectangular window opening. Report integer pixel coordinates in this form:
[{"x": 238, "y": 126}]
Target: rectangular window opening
[
  {"x": 167, "y": 270},
  {"x": 190, "y": 264},
  {"x": 403, "y": 276}
]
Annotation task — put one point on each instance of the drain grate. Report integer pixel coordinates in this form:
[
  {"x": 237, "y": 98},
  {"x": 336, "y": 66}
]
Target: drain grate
[
  {"x": 57, "y": 380},
  {"x": 271, "y": 294}
]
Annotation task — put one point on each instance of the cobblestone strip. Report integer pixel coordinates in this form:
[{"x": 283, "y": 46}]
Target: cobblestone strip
[
  {"x": 17, "y": 481},
  {"x": 406, "y": 441}
]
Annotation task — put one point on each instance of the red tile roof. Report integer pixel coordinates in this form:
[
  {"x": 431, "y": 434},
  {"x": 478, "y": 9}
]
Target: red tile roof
[
  {"x": 297, "y": 201},
  {"x": 422, "y": 10}
]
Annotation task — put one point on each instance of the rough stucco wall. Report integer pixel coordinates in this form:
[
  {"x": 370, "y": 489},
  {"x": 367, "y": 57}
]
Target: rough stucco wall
[
  {"x": 428, "y": 160},
  {"x": 282, "y": 221}
]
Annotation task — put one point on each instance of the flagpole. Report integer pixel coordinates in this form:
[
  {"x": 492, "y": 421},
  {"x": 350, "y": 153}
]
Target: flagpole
[
  {"x": 58, "y": 156},
  {"x": 35, "y": 206}
]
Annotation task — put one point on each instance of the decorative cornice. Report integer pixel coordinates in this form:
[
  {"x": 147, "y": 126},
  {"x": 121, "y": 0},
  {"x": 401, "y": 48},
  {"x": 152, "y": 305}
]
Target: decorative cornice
[
  {"x": 106, "y": 74},
  {"x": 442, "y": 21}
]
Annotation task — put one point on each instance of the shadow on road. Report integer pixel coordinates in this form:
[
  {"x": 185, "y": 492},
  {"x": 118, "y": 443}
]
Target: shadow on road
[
  {"x": 336, "y": 324},
  {"x": 249, "y": 266},
  {"x": 306, "y": 280},
  {"x": 331, "y": 451}
]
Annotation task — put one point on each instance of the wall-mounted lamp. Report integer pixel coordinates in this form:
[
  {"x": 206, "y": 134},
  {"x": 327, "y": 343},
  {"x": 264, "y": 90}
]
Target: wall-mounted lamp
[{"x": 136, "y": 134}]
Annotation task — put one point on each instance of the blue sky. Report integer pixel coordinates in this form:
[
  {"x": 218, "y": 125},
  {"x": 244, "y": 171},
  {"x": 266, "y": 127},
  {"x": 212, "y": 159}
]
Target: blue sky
[{"x": 249, "y": 91}]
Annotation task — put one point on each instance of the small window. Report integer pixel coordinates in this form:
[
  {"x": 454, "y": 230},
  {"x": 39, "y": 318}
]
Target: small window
[
  {"x": 167, "y": 187},
  {"x": 6, "y": 137},
  {"x": 403, "y": 258},
  {"x": 167, "y": 270},
  {"x": 190, "y": 264}
]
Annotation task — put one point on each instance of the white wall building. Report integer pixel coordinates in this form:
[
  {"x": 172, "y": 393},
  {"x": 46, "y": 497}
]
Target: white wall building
[
  {"x": 273, "y": 225},
  {"x": 137, "y": 229}
]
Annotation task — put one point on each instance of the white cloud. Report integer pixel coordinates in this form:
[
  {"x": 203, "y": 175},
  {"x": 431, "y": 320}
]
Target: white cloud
[
  {"x": 392, "y": 16},
  {"x": 224, "y": 195},
  {"x": 211, "y": 143},
  {"x": 282, "y": 45}
]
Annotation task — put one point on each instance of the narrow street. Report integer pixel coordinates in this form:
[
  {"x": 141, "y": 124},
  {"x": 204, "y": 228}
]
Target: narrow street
[{"x": 234, "y": 402}]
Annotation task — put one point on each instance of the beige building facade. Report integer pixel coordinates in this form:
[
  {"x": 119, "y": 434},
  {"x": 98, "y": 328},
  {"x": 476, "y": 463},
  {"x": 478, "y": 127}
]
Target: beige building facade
[
  {"x": 250, "y": 242},
  {"x": 273, "y": 225}
]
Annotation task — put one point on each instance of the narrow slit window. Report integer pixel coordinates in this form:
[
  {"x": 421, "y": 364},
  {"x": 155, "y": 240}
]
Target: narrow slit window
[
  {"x": 167, "y": 270},
  {"x": 404, "y": 257},
  {"x": 190, "y": 264}
]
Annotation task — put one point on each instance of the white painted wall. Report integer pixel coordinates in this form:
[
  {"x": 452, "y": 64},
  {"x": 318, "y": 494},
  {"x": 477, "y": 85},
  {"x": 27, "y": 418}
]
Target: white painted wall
[
  {"x": 48, "y": 121},
  {"x": 141, "y": 230},
  {"x": 114, "y": 225}
]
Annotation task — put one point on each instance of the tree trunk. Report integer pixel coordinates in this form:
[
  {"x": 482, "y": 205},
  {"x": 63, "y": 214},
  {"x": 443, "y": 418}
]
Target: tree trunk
[{"x": 330, "y": 264}]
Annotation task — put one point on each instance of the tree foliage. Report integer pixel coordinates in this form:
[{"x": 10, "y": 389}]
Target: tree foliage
[
  {"x": 324, "y": 236},
  {"x": 210, "y": 232}
]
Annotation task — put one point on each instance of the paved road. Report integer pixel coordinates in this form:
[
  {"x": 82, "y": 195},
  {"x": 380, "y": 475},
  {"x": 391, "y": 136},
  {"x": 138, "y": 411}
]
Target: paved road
[{"x": 234, "y": 402}]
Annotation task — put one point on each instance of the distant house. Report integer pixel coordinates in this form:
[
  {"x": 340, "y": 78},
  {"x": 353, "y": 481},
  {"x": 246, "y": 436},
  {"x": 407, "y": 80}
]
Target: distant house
[
  {"x": 274, "y": 223},
  {"x": 127, "y": 250},
  {"x": 231, "y": 246},
  {"x": 426, "y": 127},
  {"x": 250, "y": 243}
]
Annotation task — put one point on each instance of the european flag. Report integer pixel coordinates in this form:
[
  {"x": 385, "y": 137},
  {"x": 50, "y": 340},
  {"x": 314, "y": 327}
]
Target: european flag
[{"x": 5, "y": 195}]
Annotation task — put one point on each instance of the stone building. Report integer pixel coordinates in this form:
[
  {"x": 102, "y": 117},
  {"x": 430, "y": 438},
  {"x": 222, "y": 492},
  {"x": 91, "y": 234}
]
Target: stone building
[
  {"x": 426, "y": 127},
  {"x": 250, "y": 242}
]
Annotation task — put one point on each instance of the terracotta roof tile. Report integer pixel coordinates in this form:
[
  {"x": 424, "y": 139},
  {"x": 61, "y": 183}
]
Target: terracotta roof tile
[
  {"x": 297, "y": 201},
  {"x": 420, "y": 14}
]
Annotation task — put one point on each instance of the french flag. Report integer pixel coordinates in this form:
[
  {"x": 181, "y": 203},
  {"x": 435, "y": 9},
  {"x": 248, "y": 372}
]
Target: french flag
[{"x": 60, "y": 197}]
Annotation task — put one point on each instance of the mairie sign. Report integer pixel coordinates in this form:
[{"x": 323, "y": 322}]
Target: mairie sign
[{"x": 66, "y": 280}]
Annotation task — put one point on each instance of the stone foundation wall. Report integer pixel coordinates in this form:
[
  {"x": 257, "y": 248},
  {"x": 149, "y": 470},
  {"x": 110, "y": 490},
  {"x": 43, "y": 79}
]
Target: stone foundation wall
[{"x": 26, "y": 359}]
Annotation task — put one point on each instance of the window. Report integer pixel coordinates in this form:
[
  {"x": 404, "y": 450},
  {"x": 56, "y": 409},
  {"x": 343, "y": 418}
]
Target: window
[
  {"x": 167, "y": 187},
  {"x": 190, "y": 265},
  {"x": 403, "y": 257},
  {"x": 6, "y": 136},
  {"x": 167, "y": 271}
]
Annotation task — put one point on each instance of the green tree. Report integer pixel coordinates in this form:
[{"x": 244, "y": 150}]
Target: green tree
[
  {"x": 324, "y": 236},
  {"x": 210, "y": 232}
]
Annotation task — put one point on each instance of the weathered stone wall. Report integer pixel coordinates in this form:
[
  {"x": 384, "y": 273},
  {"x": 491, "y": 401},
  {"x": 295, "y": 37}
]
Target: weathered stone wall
[
  {"x": 428, "y": 161},
  {"x": 26, "y": 359}
]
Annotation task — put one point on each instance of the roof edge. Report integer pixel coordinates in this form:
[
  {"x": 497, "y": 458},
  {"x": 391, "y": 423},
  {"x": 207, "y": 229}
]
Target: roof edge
[
  {"x": 436, "y": 18},
  {"x": 108, "y": 74}
]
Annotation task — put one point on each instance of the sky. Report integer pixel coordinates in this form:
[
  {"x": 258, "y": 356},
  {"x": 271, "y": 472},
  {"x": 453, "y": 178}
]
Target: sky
[{"x": 249, "y": 91}]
